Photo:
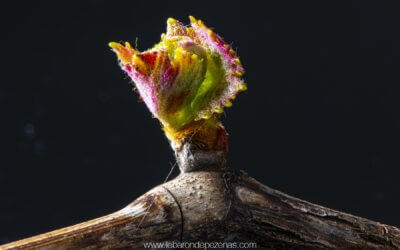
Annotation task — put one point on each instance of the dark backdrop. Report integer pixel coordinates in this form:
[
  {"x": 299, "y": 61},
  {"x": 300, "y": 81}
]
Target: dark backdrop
[{"x": 320, "y": 119}]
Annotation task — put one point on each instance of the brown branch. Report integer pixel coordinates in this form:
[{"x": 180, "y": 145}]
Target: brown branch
[{"x": 219, "y": 205}]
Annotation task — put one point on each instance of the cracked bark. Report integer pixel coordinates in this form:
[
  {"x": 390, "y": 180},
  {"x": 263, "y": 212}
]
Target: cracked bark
[{"x": 214, "y": 204}]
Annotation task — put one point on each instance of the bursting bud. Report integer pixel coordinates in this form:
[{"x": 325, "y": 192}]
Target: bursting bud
[{"x": 186, "y": 79}]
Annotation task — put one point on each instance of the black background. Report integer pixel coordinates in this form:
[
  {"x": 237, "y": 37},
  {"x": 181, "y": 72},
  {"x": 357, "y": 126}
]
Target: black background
[{"x": 320, "y": 119}]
